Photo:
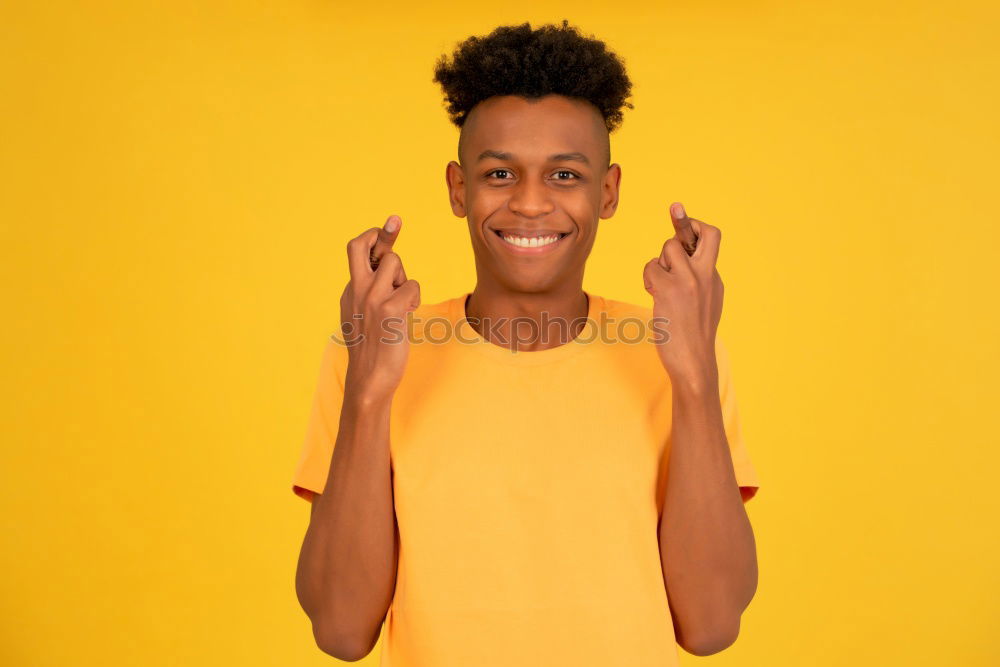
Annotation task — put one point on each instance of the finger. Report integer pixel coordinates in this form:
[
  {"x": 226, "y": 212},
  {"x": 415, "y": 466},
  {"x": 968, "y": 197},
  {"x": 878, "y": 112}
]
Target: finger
[
  {"x": 677, "y": 258},
  {"x": 389, "y": 275},
  {"x": 358, "y": 250},
  {"x": 652, "y": 274},
  {"x": 666, "y": 259},
  {"x": 710, "y": 236},
  {"x": 406, "y": 297},
  {"x": 399, "y": 276},
  {"x": 683, "y": 228},
  {"x": 387, "y": 235},
  {"x": 663, "y": 259}
]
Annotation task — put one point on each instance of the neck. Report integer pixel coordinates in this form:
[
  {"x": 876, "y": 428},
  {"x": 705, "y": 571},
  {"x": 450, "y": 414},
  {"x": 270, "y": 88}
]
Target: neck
[{"x": 527, "y": 321}]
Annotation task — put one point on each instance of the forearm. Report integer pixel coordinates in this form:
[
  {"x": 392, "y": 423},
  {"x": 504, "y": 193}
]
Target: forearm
[
  {"x": 347, "y": 567},
  {"x": 707, "y": 546}
]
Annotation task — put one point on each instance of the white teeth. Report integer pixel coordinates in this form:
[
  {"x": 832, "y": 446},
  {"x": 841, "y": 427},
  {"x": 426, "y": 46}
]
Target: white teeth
[{"x": 530, "y": 242}]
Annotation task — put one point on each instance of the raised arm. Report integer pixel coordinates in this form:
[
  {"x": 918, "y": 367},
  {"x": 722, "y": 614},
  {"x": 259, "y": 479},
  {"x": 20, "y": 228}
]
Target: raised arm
[
  {"x": 707, "y": 547},
  {"x": 346, "y": 572}
]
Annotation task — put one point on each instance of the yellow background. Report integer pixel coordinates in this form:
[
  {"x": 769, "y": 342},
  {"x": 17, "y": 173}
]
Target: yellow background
[{"x": 178, "y": 186}]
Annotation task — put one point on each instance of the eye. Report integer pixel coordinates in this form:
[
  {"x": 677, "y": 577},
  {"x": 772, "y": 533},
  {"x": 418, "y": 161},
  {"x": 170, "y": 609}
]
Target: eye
[
  {"x": 490, "y": 173},
  {"x": 567, "y": 171}
]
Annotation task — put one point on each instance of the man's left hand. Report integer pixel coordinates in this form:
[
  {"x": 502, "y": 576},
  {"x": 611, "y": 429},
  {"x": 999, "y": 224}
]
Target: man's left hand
[{"x": 687, "y": 290}]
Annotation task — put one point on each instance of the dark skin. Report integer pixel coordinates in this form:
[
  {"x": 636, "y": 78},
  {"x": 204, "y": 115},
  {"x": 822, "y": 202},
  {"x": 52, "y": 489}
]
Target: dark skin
[{"x": 507, "y": 179}]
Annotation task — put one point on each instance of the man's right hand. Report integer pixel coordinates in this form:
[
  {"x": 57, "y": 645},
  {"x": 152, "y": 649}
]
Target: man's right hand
[{"x": 373, "y": 311}]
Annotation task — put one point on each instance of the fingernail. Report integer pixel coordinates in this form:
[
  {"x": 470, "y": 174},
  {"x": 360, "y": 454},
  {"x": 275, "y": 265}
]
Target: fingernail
[
  {"x": 392, "y": 224},
  {"x": 680, "y": 211}
]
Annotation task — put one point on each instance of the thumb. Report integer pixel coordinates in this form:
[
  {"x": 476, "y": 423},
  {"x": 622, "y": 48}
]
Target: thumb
[
  {"x": 387, "y": 235},
  {"x": 390, "y": 230},
  {"x": 682, "y": 227}
]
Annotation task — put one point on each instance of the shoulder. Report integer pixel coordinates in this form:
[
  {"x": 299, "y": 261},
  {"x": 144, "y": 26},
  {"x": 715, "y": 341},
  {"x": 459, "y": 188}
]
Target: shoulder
[
  {"x": 623, "y": 321},
  {"x": 619, "y": 308},
  {"x": 626, "y": 319},
  {"x": 445, "y": 308},
  {"x": 437, "y": 320}
]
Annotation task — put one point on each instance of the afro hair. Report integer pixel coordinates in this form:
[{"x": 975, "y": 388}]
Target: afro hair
[{"x": 516, "y": 60}]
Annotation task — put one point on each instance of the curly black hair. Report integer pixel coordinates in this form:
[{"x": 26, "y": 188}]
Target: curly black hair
[{"x": 516, "y": 60}]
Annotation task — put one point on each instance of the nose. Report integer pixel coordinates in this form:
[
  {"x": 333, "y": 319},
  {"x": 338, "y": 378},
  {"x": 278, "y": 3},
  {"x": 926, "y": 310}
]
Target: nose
[{"x": 530, "y": 199}]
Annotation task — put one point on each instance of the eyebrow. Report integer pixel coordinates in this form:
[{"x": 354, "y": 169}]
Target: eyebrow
[{"x": 558, "y": 157}]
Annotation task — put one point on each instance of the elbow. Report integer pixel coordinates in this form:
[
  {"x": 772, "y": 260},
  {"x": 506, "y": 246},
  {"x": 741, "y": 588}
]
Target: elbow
[
  {"x": 711, "y": 629},
  {"x": 337, "y": 634},
  {"x": 341, "y": 645},
  {"x": 710, "y": 640}
]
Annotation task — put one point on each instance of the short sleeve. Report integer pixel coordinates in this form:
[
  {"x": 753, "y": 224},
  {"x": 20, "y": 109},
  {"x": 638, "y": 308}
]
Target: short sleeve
[
  {"x": 313, "y": 466},
  {"x": 746, "y": 475}
]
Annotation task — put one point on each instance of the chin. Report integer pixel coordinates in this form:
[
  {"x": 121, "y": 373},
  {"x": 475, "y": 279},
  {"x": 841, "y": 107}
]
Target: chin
[{"x": 529, "y": 284}]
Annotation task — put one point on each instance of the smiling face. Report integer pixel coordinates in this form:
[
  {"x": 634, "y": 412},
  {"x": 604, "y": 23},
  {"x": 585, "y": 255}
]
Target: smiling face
[{"x": 533, "y": 181}]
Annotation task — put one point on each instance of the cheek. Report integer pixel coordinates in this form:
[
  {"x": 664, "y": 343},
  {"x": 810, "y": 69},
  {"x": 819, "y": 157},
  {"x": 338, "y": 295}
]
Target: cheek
[
  {"x": 487, "y": 200},
  {"x": 485, "y": 206},
  {"x": 584, "y": 212}
]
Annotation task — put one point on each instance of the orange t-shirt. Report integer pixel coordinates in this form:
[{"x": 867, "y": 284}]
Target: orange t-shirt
[{"x": 528, "y": 488}]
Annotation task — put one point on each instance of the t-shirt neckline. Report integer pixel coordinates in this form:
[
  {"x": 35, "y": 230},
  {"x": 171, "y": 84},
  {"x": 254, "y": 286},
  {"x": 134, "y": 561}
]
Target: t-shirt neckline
[{"x": 468, "y": 336}]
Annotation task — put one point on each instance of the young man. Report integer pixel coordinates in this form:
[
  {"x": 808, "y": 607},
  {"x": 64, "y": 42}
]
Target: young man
[{"x": 523, "y": 476}]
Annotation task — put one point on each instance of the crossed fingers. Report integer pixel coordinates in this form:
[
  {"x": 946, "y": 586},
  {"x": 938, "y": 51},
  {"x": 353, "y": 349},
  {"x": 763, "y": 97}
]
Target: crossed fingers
[
  {"x": 367, "y": 251},
  {"x": 695, "y": 243}
]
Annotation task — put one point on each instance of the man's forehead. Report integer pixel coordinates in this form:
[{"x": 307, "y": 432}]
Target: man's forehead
[{"x": 533, "y": 129}]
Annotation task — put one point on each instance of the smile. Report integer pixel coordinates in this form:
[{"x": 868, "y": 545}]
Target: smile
[{"x": 531, "y": 245}]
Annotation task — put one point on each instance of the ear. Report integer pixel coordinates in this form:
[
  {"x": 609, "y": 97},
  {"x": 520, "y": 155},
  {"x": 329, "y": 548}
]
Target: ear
[
  {"x": 609, "y": 190},
  {"x": 455, "y": 178}
]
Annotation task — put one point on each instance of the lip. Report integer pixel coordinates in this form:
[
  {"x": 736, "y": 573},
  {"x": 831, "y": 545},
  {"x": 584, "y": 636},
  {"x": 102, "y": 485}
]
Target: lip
[{"x": 541, "y": 250}]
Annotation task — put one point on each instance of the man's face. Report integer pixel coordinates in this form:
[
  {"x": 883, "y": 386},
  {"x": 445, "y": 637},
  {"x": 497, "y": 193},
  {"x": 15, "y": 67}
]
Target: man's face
[{"x": 533, "y": 169}]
